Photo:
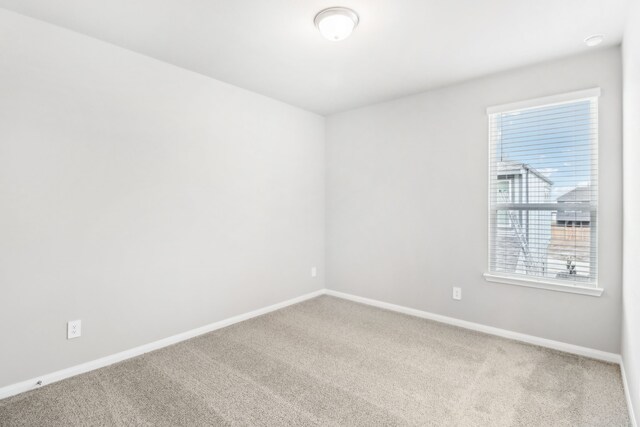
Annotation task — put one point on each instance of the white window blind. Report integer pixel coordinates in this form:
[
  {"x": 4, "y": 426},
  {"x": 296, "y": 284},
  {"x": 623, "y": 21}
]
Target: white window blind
[{"x": 543, "y": 189}]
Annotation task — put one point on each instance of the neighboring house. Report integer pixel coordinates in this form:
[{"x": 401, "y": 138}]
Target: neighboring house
[
  {"x": 571, "y": 210},
  {"x": 571, "y": 234},
  {"x": 522, "y": 234}
]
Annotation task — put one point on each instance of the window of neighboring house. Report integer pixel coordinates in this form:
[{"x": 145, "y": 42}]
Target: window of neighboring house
[
  {"x": 543, "y": 192},
  {"x": 503, "y": 187}
]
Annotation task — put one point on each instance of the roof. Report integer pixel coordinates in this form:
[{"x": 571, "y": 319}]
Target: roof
[
  {"x": 509, "y": 167},
  {"x": 578, "y": 194},
  {"x": 571, "y": 205}
]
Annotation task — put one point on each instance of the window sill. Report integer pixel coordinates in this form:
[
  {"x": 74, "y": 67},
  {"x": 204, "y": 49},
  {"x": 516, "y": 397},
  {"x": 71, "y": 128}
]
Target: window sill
[{"x": 544, "y": 284}]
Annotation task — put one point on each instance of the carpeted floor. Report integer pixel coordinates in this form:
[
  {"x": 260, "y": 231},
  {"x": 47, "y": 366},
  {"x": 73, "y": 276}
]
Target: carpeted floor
[{"x": 328, "y": 361}]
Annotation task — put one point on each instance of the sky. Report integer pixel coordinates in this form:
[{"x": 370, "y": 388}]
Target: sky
[{"x": 555, "y": 140}]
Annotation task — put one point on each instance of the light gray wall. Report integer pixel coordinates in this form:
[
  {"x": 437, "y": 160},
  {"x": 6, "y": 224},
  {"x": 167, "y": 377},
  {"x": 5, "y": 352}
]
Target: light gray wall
[
  {"x": 144, "y": 199},
  {"x": 631, "y": 205},
  {"x": 407, "y": 204}
]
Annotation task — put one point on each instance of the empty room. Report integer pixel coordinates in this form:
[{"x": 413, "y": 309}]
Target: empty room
[{"x": 318, "y": 213}]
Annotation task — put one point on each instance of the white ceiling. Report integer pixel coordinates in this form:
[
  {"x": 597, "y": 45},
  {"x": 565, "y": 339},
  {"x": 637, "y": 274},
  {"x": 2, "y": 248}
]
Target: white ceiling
[{"x": 400, "y": 46}]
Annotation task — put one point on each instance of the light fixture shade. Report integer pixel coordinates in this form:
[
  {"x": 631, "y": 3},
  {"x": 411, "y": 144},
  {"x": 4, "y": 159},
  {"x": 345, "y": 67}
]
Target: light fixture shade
[
  {"x": 594, "y": 40},
  {"x": 336, "y": 23}
]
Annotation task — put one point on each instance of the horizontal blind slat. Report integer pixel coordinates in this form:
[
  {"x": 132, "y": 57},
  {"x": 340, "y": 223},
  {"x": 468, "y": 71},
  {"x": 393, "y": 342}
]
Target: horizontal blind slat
[{"x": 543, "y": 191}]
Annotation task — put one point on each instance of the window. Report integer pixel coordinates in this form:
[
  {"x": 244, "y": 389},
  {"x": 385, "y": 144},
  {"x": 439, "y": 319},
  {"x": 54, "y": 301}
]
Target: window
[
  {"x": 543, "y": 193},
  {"x": 503, "y": 186}
]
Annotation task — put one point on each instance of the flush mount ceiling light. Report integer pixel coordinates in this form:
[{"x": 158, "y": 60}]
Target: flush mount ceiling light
[
  {"x": 594, "y": 40},
  {"x": 336, "y": 23}
]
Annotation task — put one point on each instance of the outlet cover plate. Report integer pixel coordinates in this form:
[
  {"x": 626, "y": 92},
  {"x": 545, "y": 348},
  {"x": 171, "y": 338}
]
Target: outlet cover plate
[{"x": 74, "y": 329}]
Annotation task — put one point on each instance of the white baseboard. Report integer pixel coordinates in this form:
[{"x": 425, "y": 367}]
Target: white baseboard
[
  {"x": 530, "y": 339},
  {"x": 33, "y": 383},
  {"x": 632, "y": 416}
]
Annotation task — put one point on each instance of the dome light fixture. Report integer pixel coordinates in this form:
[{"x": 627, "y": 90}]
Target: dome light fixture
[
  {"x": 336, "y": 23},
  {"x": 594, "y": 40}
]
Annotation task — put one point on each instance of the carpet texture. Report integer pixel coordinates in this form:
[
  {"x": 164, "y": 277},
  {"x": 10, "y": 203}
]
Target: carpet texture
[{"x": 328, "y": 361}]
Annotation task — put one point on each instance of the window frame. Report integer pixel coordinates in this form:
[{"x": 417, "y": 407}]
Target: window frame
[{"x": 593, "y": 288}]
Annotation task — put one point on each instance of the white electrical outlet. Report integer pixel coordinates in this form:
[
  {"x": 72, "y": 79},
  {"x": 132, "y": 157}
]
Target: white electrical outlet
[
  {"x": 74, "y": 329},
  {"x": 457, "y": 293},
  {"x": 314, "y": 272}
]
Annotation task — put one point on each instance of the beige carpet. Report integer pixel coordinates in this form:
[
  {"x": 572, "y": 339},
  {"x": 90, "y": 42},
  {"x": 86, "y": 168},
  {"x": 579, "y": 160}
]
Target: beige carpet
[{"x": 328, "y": 361}]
